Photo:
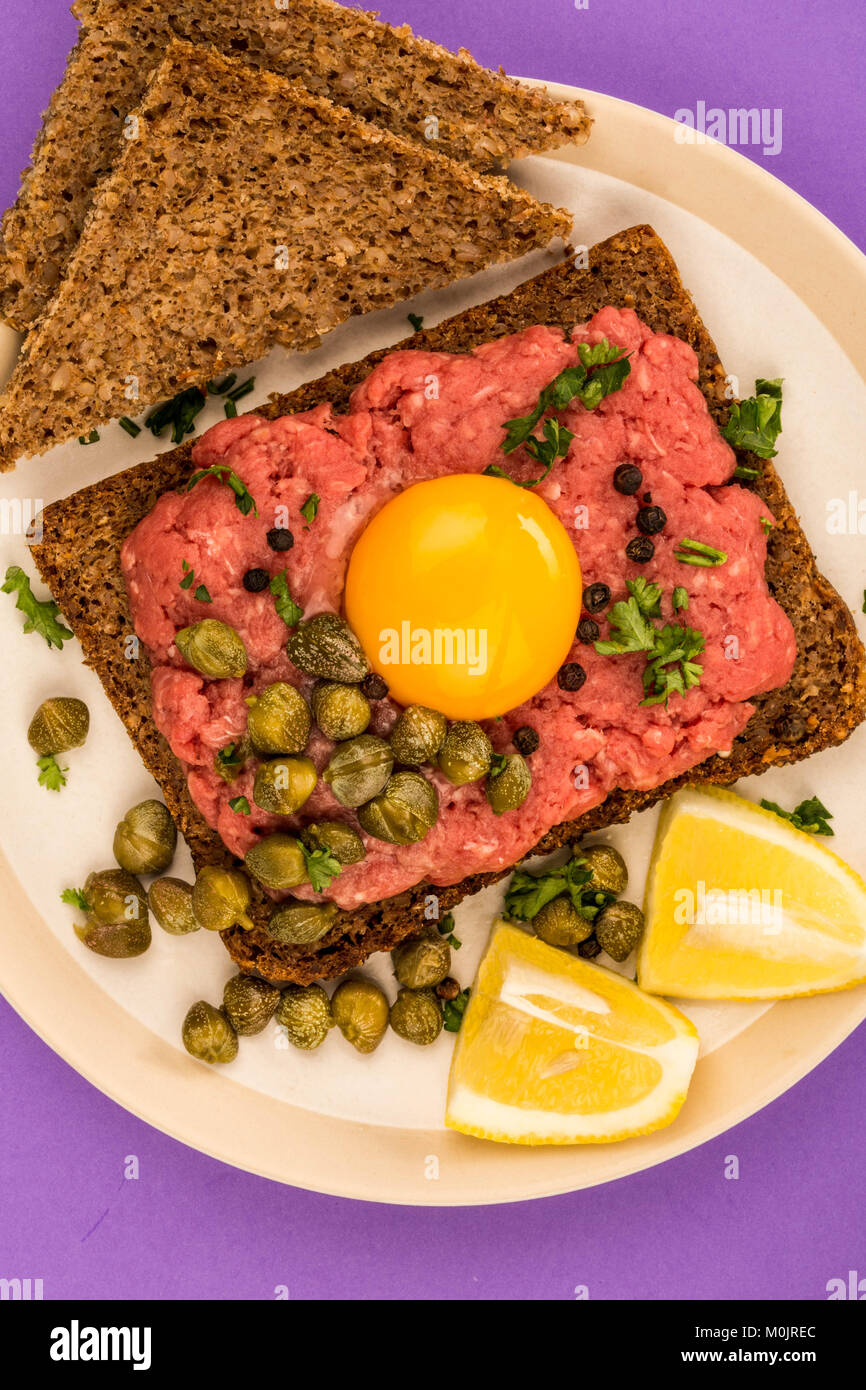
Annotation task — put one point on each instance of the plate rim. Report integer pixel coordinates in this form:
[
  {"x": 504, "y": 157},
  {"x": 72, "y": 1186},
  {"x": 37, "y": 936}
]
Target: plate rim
[{"x": 246, "y": 1129}]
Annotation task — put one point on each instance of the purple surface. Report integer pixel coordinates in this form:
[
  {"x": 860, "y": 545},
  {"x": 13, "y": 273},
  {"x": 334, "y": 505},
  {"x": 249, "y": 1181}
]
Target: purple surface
[{"x": 190, "y": 1227}]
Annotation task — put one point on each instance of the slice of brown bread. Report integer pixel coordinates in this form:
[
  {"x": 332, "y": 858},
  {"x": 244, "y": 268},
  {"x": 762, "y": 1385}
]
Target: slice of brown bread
[
  {"x": 822, "y": 703},
  {"x": 245, "y": 212},
  {"x": 444, "y": 101}
]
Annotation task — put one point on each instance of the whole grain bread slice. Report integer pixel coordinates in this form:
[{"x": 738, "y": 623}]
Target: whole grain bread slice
[
  {"x": 245, "y": 212},
  {"x": 820, "y": 706},
  {"x": 440, "y": 100}
]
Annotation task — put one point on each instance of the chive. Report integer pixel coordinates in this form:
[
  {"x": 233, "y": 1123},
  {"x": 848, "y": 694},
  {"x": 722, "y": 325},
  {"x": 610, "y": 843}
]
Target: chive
[
  {"x": 231, "y": 410},
  {"x": 129, "y": 425},
  {"x": 703, "y": 555},
  {"x": 742, "y": 472},
  {"x": 92, "y": 438},
  {"x": 240, "y": 805},
  {"x": 221, "y": 388},
  {"x": 243, "y": 390}
]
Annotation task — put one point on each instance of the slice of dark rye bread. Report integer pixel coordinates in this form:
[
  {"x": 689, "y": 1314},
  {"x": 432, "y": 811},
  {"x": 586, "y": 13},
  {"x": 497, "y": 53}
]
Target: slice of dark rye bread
[
  {"x": 822, "y": 703},
  {"x": 245, "y": 212},
  {"x": 443, "y": 101}
]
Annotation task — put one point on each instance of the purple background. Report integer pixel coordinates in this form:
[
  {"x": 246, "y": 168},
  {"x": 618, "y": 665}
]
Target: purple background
[{"x": 191, "y": 1227}]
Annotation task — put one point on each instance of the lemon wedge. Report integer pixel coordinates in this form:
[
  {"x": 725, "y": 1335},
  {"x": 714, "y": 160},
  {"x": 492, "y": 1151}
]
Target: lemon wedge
[
  {"x": 554, "y": 1050},
  {"x": 741, "y": 905}
]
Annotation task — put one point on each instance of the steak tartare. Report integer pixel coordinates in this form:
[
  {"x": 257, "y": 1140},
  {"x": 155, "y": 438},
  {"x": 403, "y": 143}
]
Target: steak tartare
[{"x": 592, "y": 739}]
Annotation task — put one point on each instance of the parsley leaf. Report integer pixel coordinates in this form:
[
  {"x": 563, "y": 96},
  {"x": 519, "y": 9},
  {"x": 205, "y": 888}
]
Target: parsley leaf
[
  {"x": 680, "y": 599},
  {"x": 528, "y": 893},
  {"x": 229, "y": 760},
  {"x": 310, "y": 509},
  {"x": 417, "y": 321},
  {"x": 452, "y": 1014},
  {"x": 554, "y": 445},
  {"x": 321, "y": 867},
  {"x": 240, "y": 805},
  {"x": 647, "y": 596},
  {"x": 288, "y": 610},
  {"x": 244, "y": 500},
  {"x": 671, "y": 668},
  {"x": 756, "y": 423},
  {"x": 446, "y": 929},
  {"x": 811, "y": 815},
  {"x": 202, "y": 594},
  {"x": 41, "y": 615},
  {"x": 630, "y": 629},
  {"x": 75, "y": 898},
  {"x": 600, "y": 371},
  {"x": 51, "y": 774},
  {"x": 179, "y": 412}
]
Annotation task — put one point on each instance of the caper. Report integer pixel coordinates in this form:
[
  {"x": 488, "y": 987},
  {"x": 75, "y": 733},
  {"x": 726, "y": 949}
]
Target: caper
[
  {"x": 249, "y": 1003},
  {"x": 284, "y": 784},
  {"x": 422, "y": 961},
  {"x": 508, "y": 783},
  {"x": 59, "y": 724},
  {"x": 279, "y": 719},
  {"x": 341, "y": 711},
  {"x": 560, "y": 924},
  {"x": 299, "y": 924},
  {"x": 220, "y": 898},
  {"x": 339, "y": 839},
  {"x": 359, "y": 769},
  {"x": 170, "y": 901},
  {"x": 208, "y": 1035},
  {"x": 229, "y": 760},
  {"x": 418, "y": 735},
  {"x": 360, "y": 1011},
  {"x": 609, "y": 870},
  {"x": 466, "y": 754},
  {"x": 404, "y": 812},
  {"x": 416, "y": 1015},
  {"x": 305, "y": 1013},
  {"x": 326, "y": 646},
  {"x": 618, "y": 929},
  {"x": 117, "y": 922},
  {"x": 146, "y": 838},
  {"x": 278, "y": 862},
  {"x": 213, "y": 649}
]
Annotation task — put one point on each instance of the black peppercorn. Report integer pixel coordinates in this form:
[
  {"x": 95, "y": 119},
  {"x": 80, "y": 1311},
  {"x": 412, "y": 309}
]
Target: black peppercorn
[
  {"x": 589, "y": 948},
  {"x": 374, "y": 687},
  {"x": 596, "y": 597},
  {"x": 641, "y": 550},
  {"x": 627, "y": 478},
  {"x": 588, "y": 630},
  {"x": 280, "y": 539},
  {"x": 256, "y": 580},
  {"x": 651, "y": 520},
  {"x": 571, "y": 676},
  {"x": 647, "y": 497},
  {"x": 526, "y": 740}
]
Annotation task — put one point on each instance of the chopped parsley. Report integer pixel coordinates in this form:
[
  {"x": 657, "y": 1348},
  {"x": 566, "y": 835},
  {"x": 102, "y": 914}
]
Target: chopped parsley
[
  {"x": 310, "y": 509},
  {"x": 545, "y": 451},
  {"x": 680, "y": 599},
  {"x": 51, "y": 774},
  {"x": 863, "y": 609},
  {"x": 179, "y": 412},
  {"x": 528, "y": 893},
  {"x": 202, "y": 594},
  {"x": 671, "y": 668},
  {"x": 92, "y": 438},
  {"x": 240, "y": 805},
  {"x": 766, "y": 525},
  {"x": 40, "y": 614},
  {"x": 75, "y": 898},
  {"x": 229, "y": 761},
  {"x": 452, "y": 1014},
  {"x": 285, "y": 605},
  {"x": 244, "y": 500},
  {"x": 188, "y": 580},
  {"x": 756, "y": 423},
  {"x": 321, "y": 867},
  {"x": 129, "y": 425},
  {"x": 811, "y": 815},
  {"x": 446, "y": 929},
  {"x": 690, "y": 552},
  {"x": 417, "y": 321}
]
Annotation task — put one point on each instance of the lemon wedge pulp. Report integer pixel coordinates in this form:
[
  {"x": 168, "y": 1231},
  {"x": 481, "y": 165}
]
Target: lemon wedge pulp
[
  {"x": 555, "y": 1050},
  {"x": 741, "y": 905}
]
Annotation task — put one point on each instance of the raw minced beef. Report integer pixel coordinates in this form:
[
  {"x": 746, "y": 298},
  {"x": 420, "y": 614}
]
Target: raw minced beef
[{"x": 398, "y": 432}]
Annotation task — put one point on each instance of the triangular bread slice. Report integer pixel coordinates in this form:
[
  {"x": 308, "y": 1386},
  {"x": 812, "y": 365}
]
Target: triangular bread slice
[
  {"x": 443, "y": 101},
  {"x": 245, "y": 212}
]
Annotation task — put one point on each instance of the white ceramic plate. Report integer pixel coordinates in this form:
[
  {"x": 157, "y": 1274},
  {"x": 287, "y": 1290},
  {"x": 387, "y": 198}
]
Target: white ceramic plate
[{"x": 781, "y": 290}]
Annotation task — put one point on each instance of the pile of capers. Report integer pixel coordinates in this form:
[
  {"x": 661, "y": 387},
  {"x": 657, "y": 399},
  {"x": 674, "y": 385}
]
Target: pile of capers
[{"x": 616, "y": 927}]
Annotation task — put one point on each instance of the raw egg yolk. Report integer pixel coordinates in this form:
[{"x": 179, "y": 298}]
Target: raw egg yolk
[{"x": 465, "y": 594}]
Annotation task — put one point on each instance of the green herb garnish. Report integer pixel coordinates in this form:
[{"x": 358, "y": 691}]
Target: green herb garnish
[
  {"x": 240, "y": 805},
  {"x": 310, "y": 509},
  {"x": 756, "y": 423},
  {"x": 231, "y": 410},
  {"x": 92, "y": 438},
  {"x": 51, "y": 774},
  {"x": 40, "y": 614},
  {"x": 680, "y": 599},
  {"x": 766, "y": 525},
  {"x": 452, "y": 1014},
  {"x": 244, "y": 500},
  {"x": 747, "y": 474},
  {"x": 670, "y": 650},
  {"x": 229, "y": 761},
  {"x": 221, "y": 388},
  {"x": 528, "y": 893},
  {"x": 202, "y": 594},
  {"x": 446, "y": 929},
  {"x": 75, "y": 898},
  {"x": 647, "y": 596},
  {"x": 863, "y": 609},
  {"x": 554, "y": 445},
  {"x": 321, "y": 867},
  {"x": 188, "y": 576},
  {"x": 690, "y": 552},
  {"x": 179, "y": 412},
  {"x": 417, "y": 321},
  {"x": 285, "y": 605},
  {"x": 811, "y": 815},
  {"x": 238, "y": 392},
  {"x": 129, "y": 425}
]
